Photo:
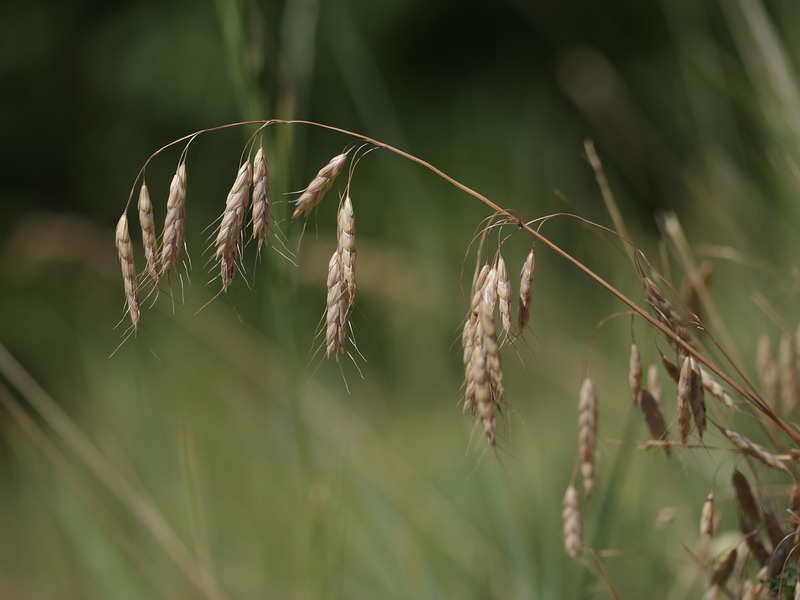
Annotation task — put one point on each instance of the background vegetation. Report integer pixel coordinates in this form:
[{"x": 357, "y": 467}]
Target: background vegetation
[{"x": 278, "y": 481}]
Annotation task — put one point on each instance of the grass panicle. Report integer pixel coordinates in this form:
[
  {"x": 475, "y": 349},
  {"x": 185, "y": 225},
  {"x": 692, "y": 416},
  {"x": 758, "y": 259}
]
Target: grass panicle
[
  {"x": 175, "y": 222},
  {"x": 230, "y": 228},
  {"x": 122, "y": 239}
]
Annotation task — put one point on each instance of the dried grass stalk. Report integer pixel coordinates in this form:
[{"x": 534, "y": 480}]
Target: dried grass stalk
[
  {"x": 635, "y": 373},
  {"x": 654, "y": 419},
  {"x": 504, "y": 294},
  {"x": 526, "y": 290},
  {"x": 175, "y": 222},
  {"x": 697, "y": 398},
  {"x": 752, "y": 449},
  {"x": 346, "y": 241},
  {"x": 787, "y": 373},
  {"x": 231, "y": 224},
  {"x": 334, "y": 338},
  {"x": 685, "y": 401},
  {"x": 260, "y": 204},
  {"x": 319, "y": 186},
  {"x": 571, "y": 515},
  {"x": 149, "y": 239},
  {"x": 587, "y": 433},
  {"x": 707, "y": 516},
  {"x": 122, "y": 240}
]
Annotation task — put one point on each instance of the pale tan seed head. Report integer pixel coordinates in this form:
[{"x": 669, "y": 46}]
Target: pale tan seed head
[
  {"x": 490, "y": 288},
  {"x": 697, "y": 398},
  {"x": 260, "y": 205},
  {"x": 122, "y": 240},
  {"x": 346, "y": 241},
  {"x": 684, "y": 409},
  {"x": 635, "y": 373},
  {"x": 707, "y": 516},
  {"x": 714, "y": 388},
  {"x": 654, "y": 419},
  {"x": 587, "y": 433},
  {"x": 231, "y": 224},
  {"x": 334, "y": 338},
  {"x": 526, "y": 290},
  {"x": 319, "y": 186},
  {"x": 653, "y": 383},
  {"x": 504, "y": 294},
  {"x": 468, "y": 338},
  {"x": 484, "y": 401},
  {"x": 175, "y": 222},
  {"x": 571, "y": 515},
  {"x": 752, "y": 449},
  {"x": 149, "y": 239},
  {"x": 488, "y": 332}
]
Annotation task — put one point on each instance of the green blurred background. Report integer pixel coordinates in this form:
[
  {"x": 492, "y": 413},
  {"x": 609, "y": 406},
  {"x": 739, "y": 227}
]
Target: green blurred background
[{"x": 276, "y": 481}]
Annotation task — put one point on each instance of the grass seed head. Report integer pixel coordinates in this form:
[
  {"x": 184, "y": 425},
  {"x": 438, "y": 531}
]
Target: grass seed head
[
  {"x": 745, "y": 502},
  {"x": 707, "y": 516},
  {"x": 697, "y": 398},
  {"x": 122, "y": 240},
  {"x": 231, "y": 224},
  {"x": 346, "y": 241},
  {"x": 587, "y": 433},
  {"x": 175, "y": 222},
  {"x": 149, "y": 238},
  {"x": 571, "y": 515},
  {"x": 319, "y": 186},
  {"x": 504, "y": 294},
  {"x": 653, "y": 383},
  {"x": 334, "y": 337},
  {"x": 684, "y": 401},
  {"x": 787, "y": 362},
  {"x": 260, "y": 204},
  {"x": 752, "y": 449},
  {"x": 494, "y": 365},
  {"x": 526, "y": 290},
  {"x": 654, "y": 419}
]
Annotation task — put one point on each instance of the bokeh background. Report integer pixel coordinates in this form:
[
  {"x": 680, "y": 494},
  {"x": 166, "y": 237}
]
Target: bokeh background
[{"x": 281, "y": 475}]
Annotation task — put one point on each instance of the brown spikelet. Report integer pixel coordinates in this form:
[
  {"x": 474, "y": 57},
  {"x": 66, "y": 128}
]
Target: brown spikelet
[
  {"x": 774, "y": 528},
  {"x": 149, "y": 239},
  {"x": 723, "y": 569},
  {"x": 684, "y": 409},
  {"x": 333, "y": 324},
  {"x": 697, "y": 398},
  {"x": 494, "y": 365},
  {"x": 587, "y": 433},
  {"x": 635, "y": 373},
  {"x": 664, "y": 310},
  {"x": 122, "y": 240},
  {"x": 504, "y": 294},
  {"x": 754, "y": 450},
  {"x": 571, "y": 515},
  {"x": 260, "y": 204},
  {"x": 175, "y": 222},
  {"x": 653, "y": 383},
  {"x": 745, "y": 502},
  {"x": 319, "y": 186},
  {"x": 468, "y": 339},
  {"x": 754, "y": 543},
  {"x": 346, "y": 241},
  {"x": 654, "y": 419},
  {"x": 707, "y": 516},
  {"x": 671, "y": 368},
  {"x": 526, "y": 290},
  {"x": 787, "y": 362},
  {"x": 230, "y": 227},
  {"x": 714, "y": 389},
  {"x": 483, "y": 390}
]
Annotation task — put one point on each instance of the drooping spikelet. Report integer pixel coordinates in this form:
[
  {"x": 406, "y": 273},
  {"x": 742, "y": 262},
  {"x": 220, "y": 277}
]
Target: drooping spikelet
[
  {"x": 490, "y": 288},
  {"x": 334, "y": 337},
  {"x": 635, "y": 373},
  {"x": 749, "y": 517},
  {"x": 468, "y": 339},
  {"x": 654, "y": 418},
  {"x": 488, "y": 332},
  {"x": 526, "y": 291},
  {"x": 484, "y": 402},
  {"x": 752, "y": 449},
  {"x": 175, "y": 222},
  {"x": 653, "y": 383},
  {"x": 346, "y": 241},
  {"x": 697, "y": 398},
  {"x": 122, "y": 240},
  {"x": 319, "y": 186},
  {"x": 587, "y": 433},
  {"x": 149, "y": 239},
  {"x": 684, "y": 409},
  {"x": 260, "y": 198},
  {"x": 707, "y": 516},
  {"x": 504, "y": 294},
  {"x": 714, "y": 388},
  {"x": 571, "y": 515},
  {"x": 230, "y": 227}
]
